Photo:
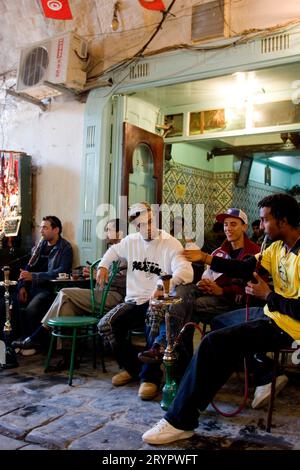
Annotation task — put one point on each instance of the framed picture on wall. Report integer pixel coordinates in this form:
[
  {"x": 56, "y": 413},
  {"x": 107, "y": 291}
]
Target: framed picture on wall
[
  {"x": 12, "y": 226},
  {"x": 205, "y": 121},
  {"x": 175, "y": 121}
]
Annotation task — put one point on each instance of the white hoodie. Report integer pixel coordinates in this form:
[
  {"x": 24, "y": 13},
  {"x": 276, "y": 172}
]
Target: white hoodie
[{"x": 146, "y": 261}]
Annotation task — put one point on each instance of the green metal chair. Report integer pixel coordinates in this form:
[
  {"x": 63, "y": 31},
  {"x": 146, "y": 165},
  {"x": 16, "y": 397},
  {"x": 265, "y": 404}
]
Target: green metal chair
[{"x": 81, "y": 327}]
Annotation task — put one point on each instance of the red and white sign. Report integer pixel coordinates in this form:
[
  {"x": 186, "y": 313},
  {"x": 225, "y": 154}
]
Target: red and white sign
[
  {"x": 57, "y": 9},
  {"x": 153, "y": 4}
]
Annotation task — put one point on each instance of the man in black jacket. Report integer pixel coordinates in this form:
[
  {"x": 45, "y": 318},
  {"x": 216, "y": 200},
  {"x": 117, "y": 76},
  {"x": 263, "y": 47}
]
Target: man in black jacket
[{"x": 52, "y": 255}]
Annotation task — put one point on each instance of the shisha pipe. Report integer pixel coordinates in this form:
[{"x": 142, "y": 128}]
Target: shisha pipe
[
  {"x": 169, "y": 358},
  {"x": 10, "y": 359}
]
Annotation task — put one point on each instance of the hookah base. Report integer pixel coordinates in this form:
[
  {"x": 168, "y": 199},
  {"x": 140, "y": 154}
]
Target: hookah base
[
  {"x": 9, "y": 365},
  {"x": 10, "y": 360},
  {"x": 168, "y": 394}
]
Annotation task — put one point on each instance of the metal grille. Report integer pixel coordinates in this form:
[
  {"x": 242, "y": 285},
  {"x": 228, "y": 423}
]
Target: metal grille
[
  {"x": 34, "y": 66},
  {"x": 279, "y": 42},
  {"x": 90, "y": 136},
  {"x": 139, "y": 71},
  {"x": 208, "y": 20},
  {"x": 87, "y": 231}
]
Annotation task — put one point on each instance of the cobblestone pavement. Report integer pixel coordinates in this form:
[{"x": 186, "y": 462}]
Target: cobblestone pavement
[{"x": 41, "y": 412}]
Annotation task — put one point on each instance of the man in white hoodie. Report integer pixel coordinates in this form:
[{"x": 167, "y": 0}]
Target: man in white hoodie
[{"x": 149, "y": 253}]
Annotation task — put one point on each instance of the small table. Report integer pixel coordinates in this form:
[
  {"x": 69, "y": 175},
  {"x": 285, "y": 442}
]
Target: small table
[{"x": 67, "y": 282}]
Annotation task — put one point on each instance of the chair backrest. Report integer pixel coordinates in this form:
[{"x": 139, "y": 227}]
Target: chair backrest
[{"x": 114, "y": 269}]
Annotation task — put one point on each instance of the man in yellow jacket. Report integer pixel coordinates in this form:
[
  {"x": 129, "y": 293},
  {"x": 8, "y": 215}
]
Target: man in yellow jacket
[{"x": 277, "y": 326}]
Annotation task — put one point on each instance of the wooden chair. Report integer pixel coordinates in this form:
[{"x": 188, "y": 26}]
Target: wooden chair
[
  {"x": 279, "y": 359},
  {"x": 81, "y": 327}
]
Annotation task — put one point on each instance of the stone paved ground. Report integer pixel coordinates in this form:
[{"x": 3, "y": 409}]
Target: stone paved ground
[{"x": 41, "y": 412}]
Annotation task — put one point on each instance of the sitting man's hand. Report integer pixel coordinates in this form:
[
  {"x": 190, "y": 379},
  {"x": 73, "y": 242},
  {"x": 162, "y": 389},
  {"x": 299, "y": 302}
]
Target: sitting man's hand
[
  {"x": 102, "y": 276},
  {"x": 86, "y": 272},
  {"x": 23, "y": 295},
  {"x": 197, "y": 255},
  {"x": 25, "y": 275},
  {"x": 209, "y": 287},
  {"x": 260, "y": 289}
]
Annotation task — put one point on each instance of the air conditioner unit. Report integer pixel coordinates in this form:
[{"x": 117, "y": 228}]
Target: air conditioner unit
[{"x": 60, "y": 60}]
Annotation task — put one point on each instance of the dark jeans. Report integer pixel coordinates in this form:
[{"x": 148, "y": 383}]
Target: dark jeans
[
  {"x": 258, "y": 364},
  {"x": 213, "y": 363},
  {"x": 235, "y": 317},
  {"x": 32, "y": 313},
  {"x": 126, "y": 317}
]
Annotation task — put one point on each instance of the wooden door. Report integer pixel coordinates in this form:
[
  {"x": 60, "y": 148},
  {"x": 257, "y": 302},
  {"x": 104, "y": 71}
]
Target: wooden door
[{"x": 142, "y": 176}]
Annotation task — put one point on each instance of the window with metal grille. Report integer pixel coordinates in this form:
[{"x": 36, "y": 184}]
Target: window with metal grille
[{"x": 208, "y": 20}]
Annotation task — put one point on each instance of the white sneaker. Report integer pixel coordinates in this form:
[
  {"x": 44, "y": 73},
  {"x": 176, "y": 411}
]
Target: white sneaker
[
  {"x": 263, "y": 392},
  {"x": 163, "y": 433}
]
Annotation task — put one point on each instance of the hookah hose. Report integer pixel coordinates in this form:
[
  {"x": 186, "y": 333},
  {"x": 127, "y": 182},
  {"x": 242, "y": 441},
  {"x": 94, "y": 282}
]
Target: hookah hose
[{"x": 243, "y": 404}]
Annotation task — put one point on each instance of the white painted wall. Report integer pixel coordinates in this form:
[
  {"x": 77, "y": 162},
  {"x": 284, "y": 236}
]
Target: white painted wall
[
  {"x": 192, "y": 154},
  {"x": 54, "y": 140},
  {"x": 22, "y": 24},
  {"x": 248, "y": 14}
]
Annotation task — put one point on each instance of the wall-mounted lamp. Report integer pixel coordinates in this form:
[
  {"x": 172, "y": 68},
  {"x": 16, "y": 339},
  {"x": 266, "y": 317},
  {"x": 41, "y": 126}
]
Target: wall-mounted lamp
[
  {"x": 268, "y": 175},
  {"x": 115, "y": 20}
]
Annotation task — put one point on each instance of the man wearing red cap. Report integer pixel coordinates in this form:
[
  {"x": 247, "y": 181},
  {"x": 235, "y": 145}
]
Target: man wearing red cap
[{"x": 219, "y": 293}]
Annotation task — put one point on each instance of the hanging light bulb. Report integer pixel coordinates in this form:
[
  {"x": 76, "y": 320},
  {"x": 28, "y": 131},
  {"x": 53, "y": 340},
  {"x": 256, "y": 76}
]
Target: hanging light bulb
[{"x": 115, "y": 21}]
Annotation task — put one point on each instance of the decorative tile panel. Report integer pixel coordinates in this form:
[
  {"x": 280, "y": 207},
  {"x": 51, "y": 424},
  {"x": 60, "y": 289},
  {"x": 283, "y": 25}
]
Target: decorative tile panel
[{"x": 217, "y": 191}]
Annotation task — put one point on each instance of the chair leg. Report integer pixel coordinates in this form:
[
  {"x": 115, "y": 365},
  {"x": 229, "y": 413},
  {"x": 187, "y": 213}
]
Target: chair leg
[
  {"x": 273, "y": 389},
  {"x": 94, "y": 353},
  {"x": 49, "y": 353},
  {"x": 72, "y": 362},
  {"x": 104, "y": 370}
]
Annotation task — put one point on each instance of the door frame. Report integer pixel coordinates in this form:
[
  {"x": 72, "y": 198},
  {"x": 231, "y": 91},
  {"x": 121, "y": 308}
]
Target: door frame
[{"x": 183, "y": 67}]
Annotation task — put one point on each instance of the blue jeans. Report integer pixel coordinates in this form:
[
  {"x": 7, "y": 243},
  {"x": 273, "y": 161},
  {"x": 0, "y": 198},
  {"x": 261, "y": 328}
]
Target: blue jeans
[
  {"x": 207, "y": 307},
  {"x": 236, "y": 317},
  {"x": 258, "y": 364},
  {"x": 213, "y": 363}
]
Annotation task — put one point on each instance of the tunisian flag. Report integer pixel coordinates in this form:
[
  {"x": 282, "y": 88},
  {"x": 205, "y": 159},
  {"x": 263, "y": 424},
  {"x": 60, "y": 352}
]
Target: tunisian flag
[
  {"x": 57, "y": 9},
  {"x": 153, "y": 4}
]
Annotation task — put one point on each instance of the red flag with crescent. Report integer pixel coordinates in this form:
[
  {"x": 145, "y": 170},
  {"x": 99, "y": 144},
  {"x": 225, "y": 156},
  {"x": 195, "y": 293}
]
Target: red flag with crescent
[
  {"x": 153, "y": 4},
  {"x": 57, "y": 9}
]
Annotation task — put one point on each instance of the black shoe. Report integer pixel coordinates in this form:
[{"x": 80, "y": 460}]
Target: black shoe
[
  {"x": 153, "y": 355},
  {"x": 26, "y": 343}
]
